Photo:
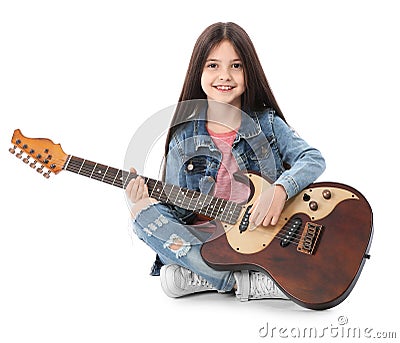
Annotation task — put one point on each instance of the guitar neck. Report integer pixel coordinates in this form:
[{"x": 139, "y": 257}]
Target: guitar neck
[{"x": 212, "y": 207}]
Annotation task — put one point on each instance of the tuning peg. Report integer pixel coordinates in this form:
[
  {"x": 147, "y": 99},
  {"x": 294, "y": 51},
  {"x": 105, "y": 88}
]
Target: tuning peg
[
  {"x": 19, "y": 155},
  {"x": 47, "y": 175},
  {"x": 26, "y": 159},
  {"x": 12, "y": 150},
  {"x": 40, "y": 170},
  {"x": 33, "y": 164}
]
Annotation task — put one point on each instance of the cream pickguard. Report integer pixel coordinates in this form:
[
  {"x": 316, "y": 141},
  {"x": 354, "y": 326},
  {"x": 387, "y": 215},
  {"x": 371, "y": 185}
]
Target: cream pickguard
[{"x": 316, "y": 203}]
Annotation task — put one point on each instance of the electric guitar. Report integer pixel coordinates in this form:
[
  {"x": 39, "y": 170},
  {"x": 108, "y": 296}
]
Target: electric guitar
[{"x": 315, "y": 253}]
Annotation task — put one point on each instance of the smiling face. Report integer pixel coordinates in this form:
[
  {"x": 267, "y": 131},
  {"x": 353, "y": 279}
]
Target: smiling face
[{"x": 223, "y": 75}]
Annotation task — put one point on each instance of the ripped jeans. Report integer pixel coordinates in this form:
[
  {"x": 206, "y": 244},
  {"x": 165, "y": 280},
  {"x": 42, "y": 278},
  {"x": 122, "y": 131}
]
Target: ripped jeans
[{"x": 176, "y": 243}]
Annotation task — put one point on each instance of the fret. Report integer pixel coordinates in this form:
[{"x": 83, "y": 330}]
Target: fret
[
  {"x": 200, "y": 201},
  {"x": 213, "y": 211},
  {"x": 217, "y": 214},
  {"x": 195, "y": 206},
  {"x": 182, "y": 199},
  {"x": 110, "y": 175},
  {"x": 238, "y": 209},
  {"x": 203, "y": 201},
  {"x": 157, "y": 190},
  {"x": 118, "y": 180},
  {"x": 218, "y": 208},
  {"x": 160, "y": 189},
  {"x": 162, "y": 192},
  {"x": 190, "y": 201},
  {"x": 127, "y": 177},
  {"x": 232, "y": 210},
  {"x": 177, "y": 199},
  {"x": 115, "y": 177},
  {"x": 74, "y": 164},
  {"x": 68, "y": 161},
  {"x": 152, "y": 189},
  {"x": 98, "y": 172},
  {"x": 93, "y": 170},
  {"x": 87, "y": 168},
  {"x": 211, "y": 207},
  {"x": 130, "y": 177},
  {"x": 104, "y": 174},
  {"x": 172, "y": 188},
  {"x": 83, "y": 161},
  {"x": 184, "y": 196},
  {"x": 81, "y": 167},
  {"x": 228, "y": 210}
]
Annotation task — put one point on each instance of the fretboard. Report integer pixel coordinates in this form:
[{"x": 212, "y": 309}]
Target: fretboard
[{"x": 212, "y": 207}]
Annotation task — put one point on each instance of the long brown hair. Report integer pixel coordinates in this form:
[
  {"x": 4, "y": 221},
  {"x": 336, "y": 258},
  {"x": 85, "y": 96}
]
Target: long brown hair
[{"x": 257, "y": 95}]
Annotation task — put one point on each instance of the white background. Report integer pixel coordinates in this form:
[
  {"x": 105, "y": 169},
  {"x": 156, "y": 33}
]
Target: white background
[{"x": 87, "y": 74}]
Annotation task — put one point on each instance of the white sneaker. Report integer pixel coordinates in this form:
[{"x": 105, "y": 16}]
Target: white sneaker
[
  {"x": 256, "y": 285},
  {"x": 177, "y": 281}
]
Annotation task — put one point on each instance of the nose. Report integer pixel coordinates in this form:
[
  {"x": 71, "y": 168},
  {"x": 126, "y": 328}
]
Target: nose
[{"x": 225, "y": 75}]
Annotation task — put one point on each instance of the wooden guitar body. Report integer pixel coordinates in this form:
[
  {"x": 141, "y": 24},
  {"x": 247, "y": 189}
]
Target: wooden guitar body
[{"x": 320, "y": 277}]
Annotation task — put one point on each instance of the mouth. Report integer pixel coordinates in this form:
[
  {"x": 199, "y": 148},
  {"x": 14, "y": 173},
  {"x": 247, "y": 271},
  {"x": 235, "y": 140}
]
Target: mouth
[{"x": 224, "y": 88}]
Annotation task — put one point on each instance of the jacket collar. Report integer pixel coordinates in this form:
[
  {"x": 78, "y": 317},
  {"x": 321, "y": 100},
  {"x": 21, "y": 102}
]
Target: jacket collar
[{"x": 250, "y": 127}]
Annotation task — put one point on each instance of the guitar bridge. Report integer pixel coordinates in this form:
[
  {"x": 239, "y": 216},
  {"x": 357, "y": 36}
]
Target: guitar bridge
[{"x": 309, "y": 238}]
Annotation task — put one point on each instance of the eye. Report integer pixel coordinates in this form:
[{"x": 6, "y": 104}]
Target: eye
[
  {"x": 237, "y": 66},
  {"x": 212, "y": 65}
]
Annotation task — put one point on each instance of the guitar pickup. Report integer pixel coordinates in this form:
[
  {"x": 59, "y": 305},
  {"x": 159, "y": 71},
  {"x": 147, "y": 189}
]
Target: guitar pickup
[
  {"x": 244, "y": 223},
  {"x": 309, "y": 238}
]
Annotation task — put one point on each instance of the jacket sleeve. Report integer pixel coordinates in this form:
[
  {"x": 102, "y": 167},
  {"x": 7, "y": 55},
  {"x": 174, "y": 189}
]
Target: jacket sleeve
[{"x": 306, "y": 163}]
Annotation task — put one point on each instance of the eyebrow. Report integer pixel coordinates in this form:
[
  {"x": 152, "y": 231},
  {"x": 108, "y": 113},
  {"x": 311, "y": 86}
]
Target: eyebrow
[{"x": 217, "y": 60}]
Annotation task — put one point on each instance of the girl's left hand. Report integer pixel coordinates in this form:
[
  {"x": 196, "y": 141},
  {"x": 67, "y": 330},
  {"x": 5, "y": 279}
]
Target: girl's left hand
[{"x": 268, "y": 206}]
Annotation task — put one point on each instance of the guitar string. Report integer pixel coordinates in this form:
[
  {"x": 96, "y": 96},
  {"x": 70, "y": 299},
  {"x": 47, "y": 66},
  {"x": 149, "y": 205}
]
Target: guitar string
[
  {"x": 285, "y": 234},
  {"x": 219, "y": 208},
  {"x": 296, "y": 239}
]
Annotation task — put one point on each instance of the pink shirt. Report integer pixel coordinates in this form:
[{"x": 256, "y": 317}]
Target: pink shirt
[{"x": 226, "y": 186}]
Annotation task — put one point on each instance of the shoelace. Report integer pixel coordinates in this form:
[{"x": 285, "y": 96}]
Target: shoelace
[
  {"x": 262, "y": 285},
  {"x": 193, "y": 279}
]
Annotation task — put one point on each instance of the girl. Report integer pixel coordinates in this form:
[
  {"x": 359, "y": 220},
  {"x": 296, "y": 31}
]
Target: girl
[{"x": 227, "y": 120}]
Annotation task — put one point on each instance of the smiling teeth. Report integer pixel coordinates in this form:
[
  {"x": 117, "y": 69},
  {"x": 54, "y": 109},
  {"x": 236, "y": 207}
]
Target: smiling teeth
[{"x": 224, "y": 88}]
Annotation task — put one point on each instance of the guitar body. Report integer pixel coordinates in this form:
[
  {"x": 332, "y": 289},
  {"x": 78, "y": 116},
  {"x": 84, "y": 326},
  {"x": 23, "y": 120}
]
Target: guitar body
[{"x": 319, "y": 274}]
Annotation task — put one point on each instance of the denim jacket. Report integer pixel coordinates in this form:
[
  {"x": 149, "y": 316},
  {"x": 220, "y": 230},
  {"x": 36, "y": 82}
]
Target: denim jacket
[{"x": 264, "y": 144}]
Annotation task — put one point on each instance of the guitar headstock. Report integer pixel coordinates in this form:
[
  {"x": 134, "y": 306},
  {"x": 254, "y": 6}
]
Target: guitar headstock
[{"x": 40, "y": 153}]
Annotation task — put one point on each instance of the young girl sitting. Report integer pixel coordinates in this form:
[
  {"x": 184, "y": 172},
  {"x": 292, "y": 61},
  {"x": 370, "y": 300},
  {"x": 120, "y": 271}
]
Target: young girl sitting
[{"x": 227, "y": 120}]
